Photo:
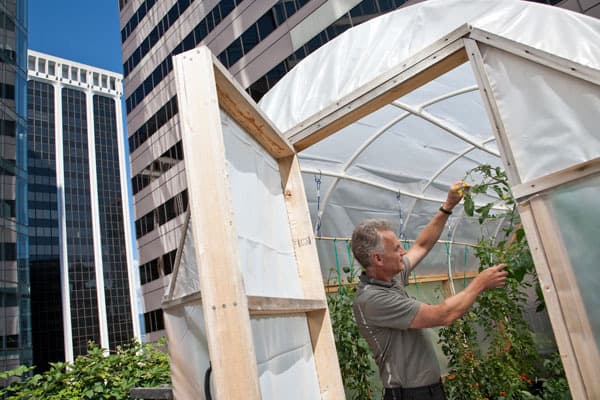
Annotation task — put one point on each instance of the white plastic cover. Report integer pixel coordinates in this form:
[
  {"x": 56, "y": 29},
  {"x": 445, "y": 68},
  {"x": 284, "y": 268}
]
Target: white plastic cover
[
  {"x": 188, "y": 350},
  {"x": 378, "y": 45},
  {"x": 398, "y": 162},
  {"x": 284, "y": 358},
  {"x": 282, "y": 344},
  {"x": 575, "y": 208},
  {"x": 551, "y": 118},
  {"x": 264, "y": 238},
  {"x": 185, "y": 277}
]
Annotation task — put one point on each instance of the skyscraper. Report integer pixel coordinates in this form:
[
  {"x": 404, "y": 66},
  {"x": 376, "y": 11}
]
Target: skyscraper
[
  {"x": 15, "y": 321},
  {"x": 258, "y": 41},
  {"x": 82, "y": 278}
]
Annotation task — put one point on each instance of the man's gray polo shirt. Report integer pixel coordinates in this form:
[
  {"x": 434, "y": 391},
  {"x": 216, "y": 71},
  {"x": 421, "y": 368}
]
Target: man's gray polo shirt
[{"x": 384, "y": 311}]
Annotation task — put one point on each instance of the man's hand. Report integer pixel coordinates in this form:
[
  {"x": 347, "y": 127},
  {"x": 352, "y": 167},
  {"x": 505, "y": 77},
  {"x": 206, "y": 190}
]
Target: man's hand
[
  {"x": 455, "y": 194},
  {"x": 455, "y": 306},
  {"x": 493, "y": 277}
]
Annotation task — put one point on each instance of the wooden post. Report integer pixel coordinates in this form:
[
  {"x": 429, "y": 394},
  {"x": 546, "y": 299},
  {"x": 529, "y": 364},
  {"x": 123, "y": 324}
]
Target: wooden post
[
  {"x": 229, "y": 337},
  {"x": 319, "y": 323}
]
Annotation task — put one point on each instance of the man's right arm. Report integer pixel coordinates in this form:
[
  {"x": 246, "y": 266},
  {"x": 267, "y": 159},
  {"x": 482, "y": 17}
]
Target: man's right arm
[{"x": 454, "y": 307}]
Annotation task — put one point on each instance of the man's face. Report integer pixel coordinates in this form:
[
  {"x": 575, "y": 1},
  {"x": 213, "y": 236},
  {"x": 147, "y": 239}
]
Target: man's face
[{"x": 392, "y": 262}]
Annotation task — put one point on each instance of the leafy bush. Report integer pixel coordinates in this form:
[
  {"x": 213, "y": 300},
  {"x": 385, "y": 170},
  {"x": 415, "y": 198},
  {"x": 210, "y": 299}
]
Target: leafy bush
[{"x": 96, "y": 375}]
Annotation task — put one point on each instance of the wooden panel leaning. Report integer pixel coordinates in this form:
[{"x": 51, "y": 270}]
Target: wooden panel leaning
[{"x": 233, "y": 309}]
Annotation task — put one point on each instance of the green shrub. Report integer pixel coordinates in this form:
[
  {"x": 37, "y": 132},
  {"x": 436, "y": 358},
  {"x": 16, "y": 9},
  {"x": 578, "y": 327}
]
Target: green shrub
[{"x": 96, "y": 375}]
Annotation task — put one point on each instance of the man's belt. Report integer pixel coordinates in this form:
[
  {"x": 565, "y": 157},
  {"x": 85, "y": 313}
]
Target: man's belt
[{"x": 400, "y": 392}]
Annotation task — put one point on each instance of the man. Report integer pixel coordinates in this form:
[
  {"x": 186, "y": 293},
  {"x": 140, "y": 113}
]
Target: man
[{"x": 392, "y": 322}]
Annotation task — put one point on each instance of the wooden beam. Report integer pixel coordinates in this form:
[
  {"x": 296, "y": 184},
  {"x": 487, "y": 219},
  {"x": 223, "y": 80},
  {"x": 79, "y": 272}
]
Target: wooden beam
[
  {"x": 571, "y": 308},
  {"x": 309, "y": 270},
  {"x": 444, "y": 277},
  {"x": 258, "y": 305},
  {"x": 225, "y": 307},
  {"x": 178, "y": 254},
  {"x": 261, "y": 305},
  {"x": 433, "y": 61},
  {"x": 333, "y": 288},
  {"x": 168, "y": 303},
  {"x": 242, "y": 108},
  {"x": 564, "y": 65},
  {"x": 567, "y": 175},
  {"x": 492, "y": 110},
  {"x": 301, "y": 228}
]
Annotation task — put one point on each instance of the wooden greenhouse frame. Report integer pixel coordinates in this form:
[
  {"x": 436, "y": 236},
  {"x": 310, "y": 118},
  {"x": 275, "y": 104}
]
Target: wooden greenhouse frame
[
  {"x": 570, "y": 321},
  {"x": 204, "y": 87}
]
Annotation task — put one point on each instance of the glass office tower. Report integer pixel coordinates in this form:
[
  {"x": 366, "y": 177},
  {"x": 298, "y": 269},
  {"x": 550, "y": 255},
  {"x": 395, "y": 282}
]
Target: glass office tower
[
  {"x": 15, "y": 320},
  {"x": 80, "y": 241}
]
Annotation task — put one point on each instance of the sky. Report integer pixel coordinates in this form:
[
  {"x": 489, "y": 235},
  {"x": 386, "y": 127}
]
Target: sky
[{"x": 84, "y": 31}]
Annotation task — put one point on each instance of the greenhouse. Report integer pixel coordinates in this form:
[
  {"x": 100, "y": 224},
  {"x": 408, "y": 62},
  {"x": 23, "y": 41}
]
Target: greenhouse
[{"x": 378, "y": 123}]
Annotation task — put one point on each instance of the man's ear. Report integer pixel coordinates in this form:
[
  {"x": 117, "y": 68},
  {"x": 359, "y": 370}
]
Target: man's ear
[{"x": 376, "y": 258}]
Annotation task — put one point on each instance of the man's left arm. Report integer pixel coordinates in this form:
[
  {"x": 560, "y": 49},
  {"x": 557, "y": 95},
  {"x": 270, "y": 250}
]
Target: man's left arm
[{"x": 431, "y": 233}]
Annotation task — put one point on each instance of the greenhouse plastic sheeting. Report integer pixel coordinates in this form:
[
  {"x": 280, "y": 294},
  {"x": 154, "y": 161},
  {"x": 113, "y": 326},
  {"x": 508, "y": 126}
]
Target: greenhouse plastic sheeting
[
  {"x": 264, "y": 239},
  {"x": 566, "y": 117},
  {"x": 282, "y": 344},
  {"x": 378, "y": 45},
  {"x": 575, "y": 208},
  {"x": 398, "y": 162},
  {"x": 188, "y": 350}
]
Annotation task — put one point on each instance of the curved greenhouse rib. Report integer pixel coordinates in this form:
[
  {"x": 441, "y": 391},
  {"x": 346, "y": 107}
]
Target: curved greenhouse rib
[
  {"x": 378, "y": 133},
  {"x": 449, "y": 95},
  {"x": 454, "y": 159},
  {"x": 366, "y": 182},
  {"x": 442, "y": 124},
  {"x": 444, "y": 167},
  {"x": 357, "y": 153}
]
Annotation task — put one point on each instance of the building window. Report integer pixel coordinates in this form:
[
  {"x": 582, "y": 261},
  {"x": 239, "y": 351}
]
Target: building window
[
  {"x": 170, "y": 209},
  {"x": 157, "y": 167},
  {"x": 149, "y": 271},
  {"x": 154, "y": 123},
  {"x": 169, "y": 262},
  {"x": 154, "y": 321}
]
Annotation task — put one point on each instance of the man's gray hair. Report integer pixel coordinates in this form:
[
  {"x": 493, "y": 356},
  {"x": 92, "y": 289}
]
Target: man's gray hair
[{"x": 366, "y": 239}]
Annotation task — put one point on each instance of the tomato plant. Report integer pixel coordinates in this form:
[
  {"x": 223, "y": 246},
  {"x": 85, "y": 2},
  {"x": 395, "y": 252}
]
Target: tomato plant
[
  {"x": 491, "y": 349},
  {"x": 355, "y": 359}
]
